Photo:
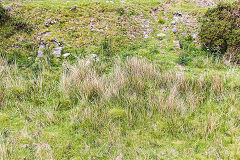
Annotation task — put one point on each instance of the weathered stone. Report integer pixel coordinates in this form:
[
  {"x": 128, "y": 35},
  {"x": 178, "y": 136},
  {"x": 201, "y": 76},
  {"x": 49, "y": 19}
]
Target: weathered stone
[
  {"x": 57, "y": 51},
  {"x": 44, "y": 34},
  {"x": 174, "y": 30},
  {"x": 73, "y": 8},
  {"x": 161, "y": 35},
  {"x": 145, "y": 36},
  {"x": 50, "y": 22},
  {"x": 173, "y": 23},
  {"x": 195, "y": 35},
  {"x": 66, "y": 55},
  {"x": 177, "y": 44},
  {"x": 109, "y": 2},
  {"x": 93, "y": 57},
  {"x": 57, "y": 42},
  {"x": 41, "y": 49}
]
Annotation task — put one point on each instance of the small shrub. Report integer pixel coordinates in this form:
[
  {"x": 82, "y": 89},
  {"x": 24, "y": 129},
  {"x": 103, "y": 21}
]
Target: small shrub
[
  {"x": 64, "y": 104},
  {"x": 19, "y": 24},
  {"x": 4, "y": 119},
  {"x": 161, "y": 20},
  {"x": 4, "y": 16},
  {"x": 120, "y": 11},
  {"x": 220, "y": 30},
  {"x": 17, "y": 92}
]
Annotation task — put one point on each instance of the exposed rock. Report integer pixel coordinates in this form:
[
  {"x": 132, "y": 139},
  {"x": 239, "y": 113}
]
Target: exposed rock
[
  {"x": 73, "y": 8},
  {"x": 177, "y": 44},
  {"x": 44, "y": 34},
  {"x": 41, "y": 49},
  {"x": 173, "y": 22},
  {"x": 174, "y": 30},
  {"x": 145, "y": 36},
  {"x": 66, "y": 55},
  {"x": 109, "y": 2},
  {"x": 57, "y": 51},
  {"x": 57, "y": 42},
  {"x": 176, "y": 19},
  {"x": 161, "y": 35},
  {"x": 93, "y": 57},
  {"x": 50, "y": 22},
  {"x": 46, "y": 24},
  {"x": 189, "y": 24},
  {"x": 195, "y": 35},
  {"x": 205, "y": 3},
  {"x": 145, "y": 24}
]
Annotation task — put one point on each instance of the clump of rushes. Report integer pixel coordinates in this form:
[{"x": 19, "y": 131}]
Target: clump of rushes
[{"x": 220, "y": 30}]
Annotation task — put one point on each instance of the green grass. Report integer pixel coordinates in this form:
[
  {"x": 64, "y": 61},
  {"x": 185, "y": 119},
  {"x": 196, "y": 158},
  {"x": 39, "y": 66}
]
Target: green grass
[
  {"x": 137, "y": 110},
  {"x": 135, "y": 103}
]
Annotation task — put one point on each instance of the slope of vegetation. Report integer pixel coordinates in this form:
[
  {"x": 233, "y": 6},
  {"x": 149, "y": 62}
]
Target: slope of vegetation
[
  {"x": 148, "y": 93},
  {"x": 220, "y": 30}
]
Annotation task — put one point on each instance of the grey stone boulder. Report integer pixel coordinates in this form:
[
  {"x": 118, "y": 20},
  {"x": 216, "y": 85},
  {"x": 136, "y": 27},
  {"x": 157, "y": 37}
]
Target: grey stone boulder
[
  {"x": 57, "y": 51},
  {"x": 93, "y": 57},
  {"x": 73, "y": 8},
  {"x": 50, "y": 22},
  {"x": 174, "y": 30},
  {"x": 161, "y": 35},
  {"x": 66, "y": 55},
  {"x": 177, "y": 44},
  {"x": 173, "y": 22},
  {"x": 195, "y": 35},
  {"x": 41, "y": 49}
]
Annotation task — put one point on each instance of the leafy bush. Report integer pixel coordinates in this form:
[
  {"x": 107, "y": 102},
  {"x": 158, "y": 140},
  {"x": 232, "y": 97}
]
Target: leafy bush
[
  {"x": 220, "y": 30},
  {"x": 17, "y": 23},
  {"x": 20, "y": 24},
  {"x": 3, "y": 15}
]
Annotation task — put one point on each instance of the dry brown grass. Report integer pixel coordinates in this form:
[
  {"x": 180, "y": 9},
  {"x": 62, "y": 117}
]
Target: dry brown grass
[
  {"x": 3, "y": 67},
  {"x": 84, "y": 79},
  {"x": 166, "y": 90},
  {"x": 4, "y": 70}
]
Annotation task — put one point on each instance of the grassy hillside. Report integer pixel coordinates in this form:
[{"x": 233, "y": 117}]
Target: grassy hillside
[{"x": 150, "y": 92}]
